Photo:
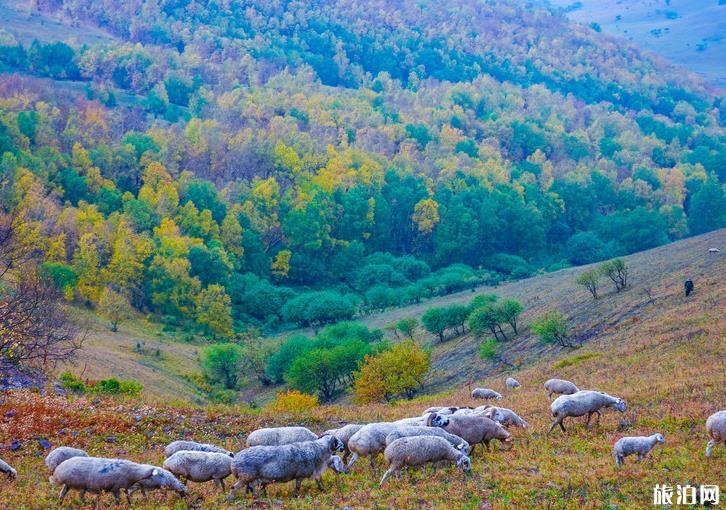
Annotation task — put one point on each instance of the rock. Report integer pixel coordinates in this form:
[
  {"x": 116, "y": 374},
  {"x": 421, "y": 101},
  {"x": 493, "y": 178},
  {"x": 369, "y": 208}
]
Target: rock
[
  {"x": 11, "y": 413},
  {"x": 44, "y": 443},
  {"x": 111, "y": 439},
  {"x": 15, "y": 445}
]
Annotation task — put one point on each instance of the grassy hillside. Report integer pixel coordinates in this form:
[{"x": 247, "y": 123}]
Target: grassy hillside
[
  {"x": 665, "y": 360},
  {"x": 456, "y": 361},
  {"x": 689, "y": 33}
]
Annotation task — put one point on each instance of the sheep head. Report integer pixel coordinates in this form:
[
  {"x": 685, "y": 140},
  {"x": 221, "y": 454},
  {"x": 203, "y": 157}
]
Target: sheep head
[{"x": 464, "y": 463}]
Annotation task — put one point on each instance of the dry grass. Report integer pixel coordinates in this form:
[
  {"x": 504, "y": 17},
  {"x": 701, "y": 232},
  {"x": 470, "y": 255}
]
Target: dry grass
[{"x": 665, "y": 359}]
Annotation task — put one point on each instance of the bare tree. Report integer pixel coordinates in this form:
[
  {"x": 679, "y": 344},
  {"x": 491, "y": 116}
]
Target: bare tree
[{"x": 35, "y": 326}]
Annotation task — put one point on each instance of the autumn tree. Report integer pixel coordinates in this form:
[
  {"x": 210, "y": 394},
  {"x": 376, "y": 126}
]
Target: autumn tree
[
  {"x": 214, "y": 311},
  {"x": 114, "y": 306},
  {"x": 399, "y": 371}
]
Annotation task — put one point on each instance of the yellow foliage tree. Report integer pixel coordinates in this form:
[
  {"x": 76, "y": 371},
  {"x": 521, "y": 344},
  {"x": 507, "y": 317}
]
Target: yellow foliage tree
[
  {"x": 426, "y": 215},
  {"x": 281, "y": 264},
  {"x": 398, "y": 371},
  {"x": 292, "y": 402}
]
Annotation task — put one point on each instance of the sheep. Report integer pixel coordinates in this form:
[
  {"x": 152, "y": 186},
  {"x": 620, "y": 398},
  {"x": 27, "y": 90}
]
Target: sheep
[
  {"x": 60, "y": 454},
  {"x": 344, "y": 433},
  {"x": 163, "y": 479},
  {"x": 486, "y": 394},
  {"x": 716, "y": 427},
  {"x": 443, "y": 410},
  {"x": 295, "y": 461},
  {"x": 418, "y": 450},
  {"x": 585, "y": 402},
  {"x": 455, "y": 441},
  {"x": 7, "y": 469},
  {"x": 200, "y": 466},
  {"x": 371, "y": 439},
  {"x": 279, "y": 436},
  {"x": 193, "y": 446},
  {"x": 640, "y": 445},
  {"x": 560, "y": 387},
  {"x": 96, "y": 475},
  {"x": 714, "y": 250},
  {"x": 475, "y": 429},
  {"x": 505, "y": 417},
  {"x": 511, "y": 383}
]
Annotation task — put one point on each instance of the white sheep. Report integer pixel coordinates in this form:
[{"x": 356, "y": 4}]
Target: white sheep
[
  {"x": 200, "y": 466},
  {"x": 585, "y": 402},
  {"x": 60, "y": 454},
  {"x": 716, "y": 427},
  {"x": 277, "y": 436},
  {"x": 475, "y": 429},
  {"x": 560, "y": 387},
  {"x": 7, "y": 469},
  {"x": 455, "y": 441},
  {"x": 486, "y": 394},
  {"x": 371, "y": 439},
  {"x": 418, "y": 450},
  {"x": 511, "y": 383},
  {"x": 344, "y": 433},
  {"x": 193, "y": 446},
  {"x": 161, "y": 480},
  {"x": 295, "y": 461},
  {"x": 505, "y": 416},
  {"x": 96, "y": 475},
  {"x": 640, "y": 445}
]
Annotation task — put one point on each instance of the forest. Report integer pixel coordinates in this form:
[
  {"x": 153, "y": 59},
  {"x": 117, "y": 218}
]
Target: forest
[{"x": 228, "y": 165}]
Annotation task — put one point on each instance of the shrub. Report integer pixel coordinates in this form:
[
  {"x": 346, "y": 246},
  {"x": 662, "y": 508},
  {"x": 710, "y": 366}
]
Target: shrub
[
  {"x": 292, "y": 401},
  {"x": 552, "y": 328},
  {"x": 488, "y": 349},
  {"x": 590, "y": 279},
  {"x": 72, "y": 383},
  {"x": 509, "y": 312},
  {"x": 398, "y": 371},
  {"x": 573, "y": 360},
  {"x": 487, "y": 318},
  {"x": 221, "y": 364},
  {"x": 407, "y": 326},
  {"x": 617, "y": 271}
]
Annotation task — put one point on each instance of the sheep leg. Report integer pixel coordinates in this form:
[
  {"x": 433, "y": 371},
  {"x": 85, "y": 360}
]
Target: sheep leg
[
  {"x": 598, "y": 416},
  {"x": 387, "y": 474},
  {"x": 219, "y": 483},
  {"x": 486, "y": 443},
  {"x": 619, "y": 460},
  {"x": 63, "y": 493},
  {"x": 373, "y": 462},
  {"x": 236, "y": 487},
  {"x": 353, "y": 458},
  {"x": 298, "y": 483},
  {"x": 587, "y": 422},
  {"x": 346, "y": 454},
  {"x": 320, "y": 484},
  {"x": 558, "y": 421},
  {"x": 709, "y": 447},
  {"x": 116, "y": 496}
]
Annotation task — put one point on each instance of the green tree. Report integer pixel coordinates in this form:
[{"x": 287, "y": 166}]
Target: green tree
[
  {"x": 282, "y": 359},
  {"x": 456, "y": 316},
  {"x": 617, "y": 271},
  {"x": 435, "y": 322},
  {"x": 221, "y": 364},
  {"x": 488, "y": 349},
  {"x": 552, "y": 328},
  {"x": 707, "y": 209},
  {"x": 509, "y": 312},
  {"x": 487, "y": 318},
  {"x": 407, "y": 326},
  {"x": 590, "y": 279}
]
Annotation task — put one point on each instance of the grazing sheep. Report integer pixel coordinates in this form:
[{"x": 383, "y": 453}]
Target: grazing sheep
[
  {"x": 716, "y": 427},
  {"x": 496, "y": 414},
  {"x": 200, "y": 466},
  {"x": 96, "y": 475},
  {"x": 486, "y": 394},
  {"x": 505, "y": 417},
  {"x": 61, "y": 454},
  {"x": 163, "y": 479},
  {"x": 280, "y": 435},
  {"x": 511, "y": 383},
  {"x": 344, "y": 433},
  {"x": 560, "y": 387},
  {"x": 455, "y": 441},
  {"x": 370, "y": 440},
  {"x": 6, "y": 469},
  {"x": 418, "y": 450},
  {"x": 640, "y": 445},
  {"x": 714, "y": 250},
  {"x": 295, "y": 461},
  {"x": 444, "y": 410},
  {"x": 585, "y": 402},
  {"x": 193, "y": 446},
  {"x": 475, "y": 429}
]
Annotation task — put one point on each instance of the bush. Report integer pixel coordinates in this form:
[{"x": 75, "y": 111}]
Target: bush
[
  {"x": 221, "y": 363},
  {"x": 552, "y": 328},
  {"x": 398, "y": 371},
  {"x": 292, "y": 401},
  {"x": 72, "y": 383},
  {"x": 488, "y": 349},
  {"x": 617, "y": 271}
]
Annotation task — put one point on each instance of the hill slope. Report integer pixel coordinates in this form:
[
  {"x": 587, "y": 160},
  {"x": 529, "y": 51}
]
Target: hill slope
[
  {"x": 689, "y": 33},
  {"x": 455, "y": 361},
  {"x": 667, "y": 365}
]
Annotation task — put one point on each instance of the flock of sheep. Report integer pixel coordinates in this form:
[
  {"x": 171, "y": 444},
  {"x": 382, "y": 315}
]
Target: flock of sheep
[{"x": 440, "y": 434}]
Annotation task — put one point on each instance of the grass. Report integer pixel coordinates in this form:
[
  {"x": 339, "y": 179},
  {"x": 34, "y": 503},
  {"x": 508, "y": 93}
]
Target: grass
[{"x": 665, "y": 359}]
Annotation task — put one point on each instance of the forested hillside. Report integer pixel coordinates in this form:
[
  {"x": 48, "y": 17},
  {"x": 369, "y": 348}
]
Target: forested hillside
[{"x": 216, "y": 163}]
